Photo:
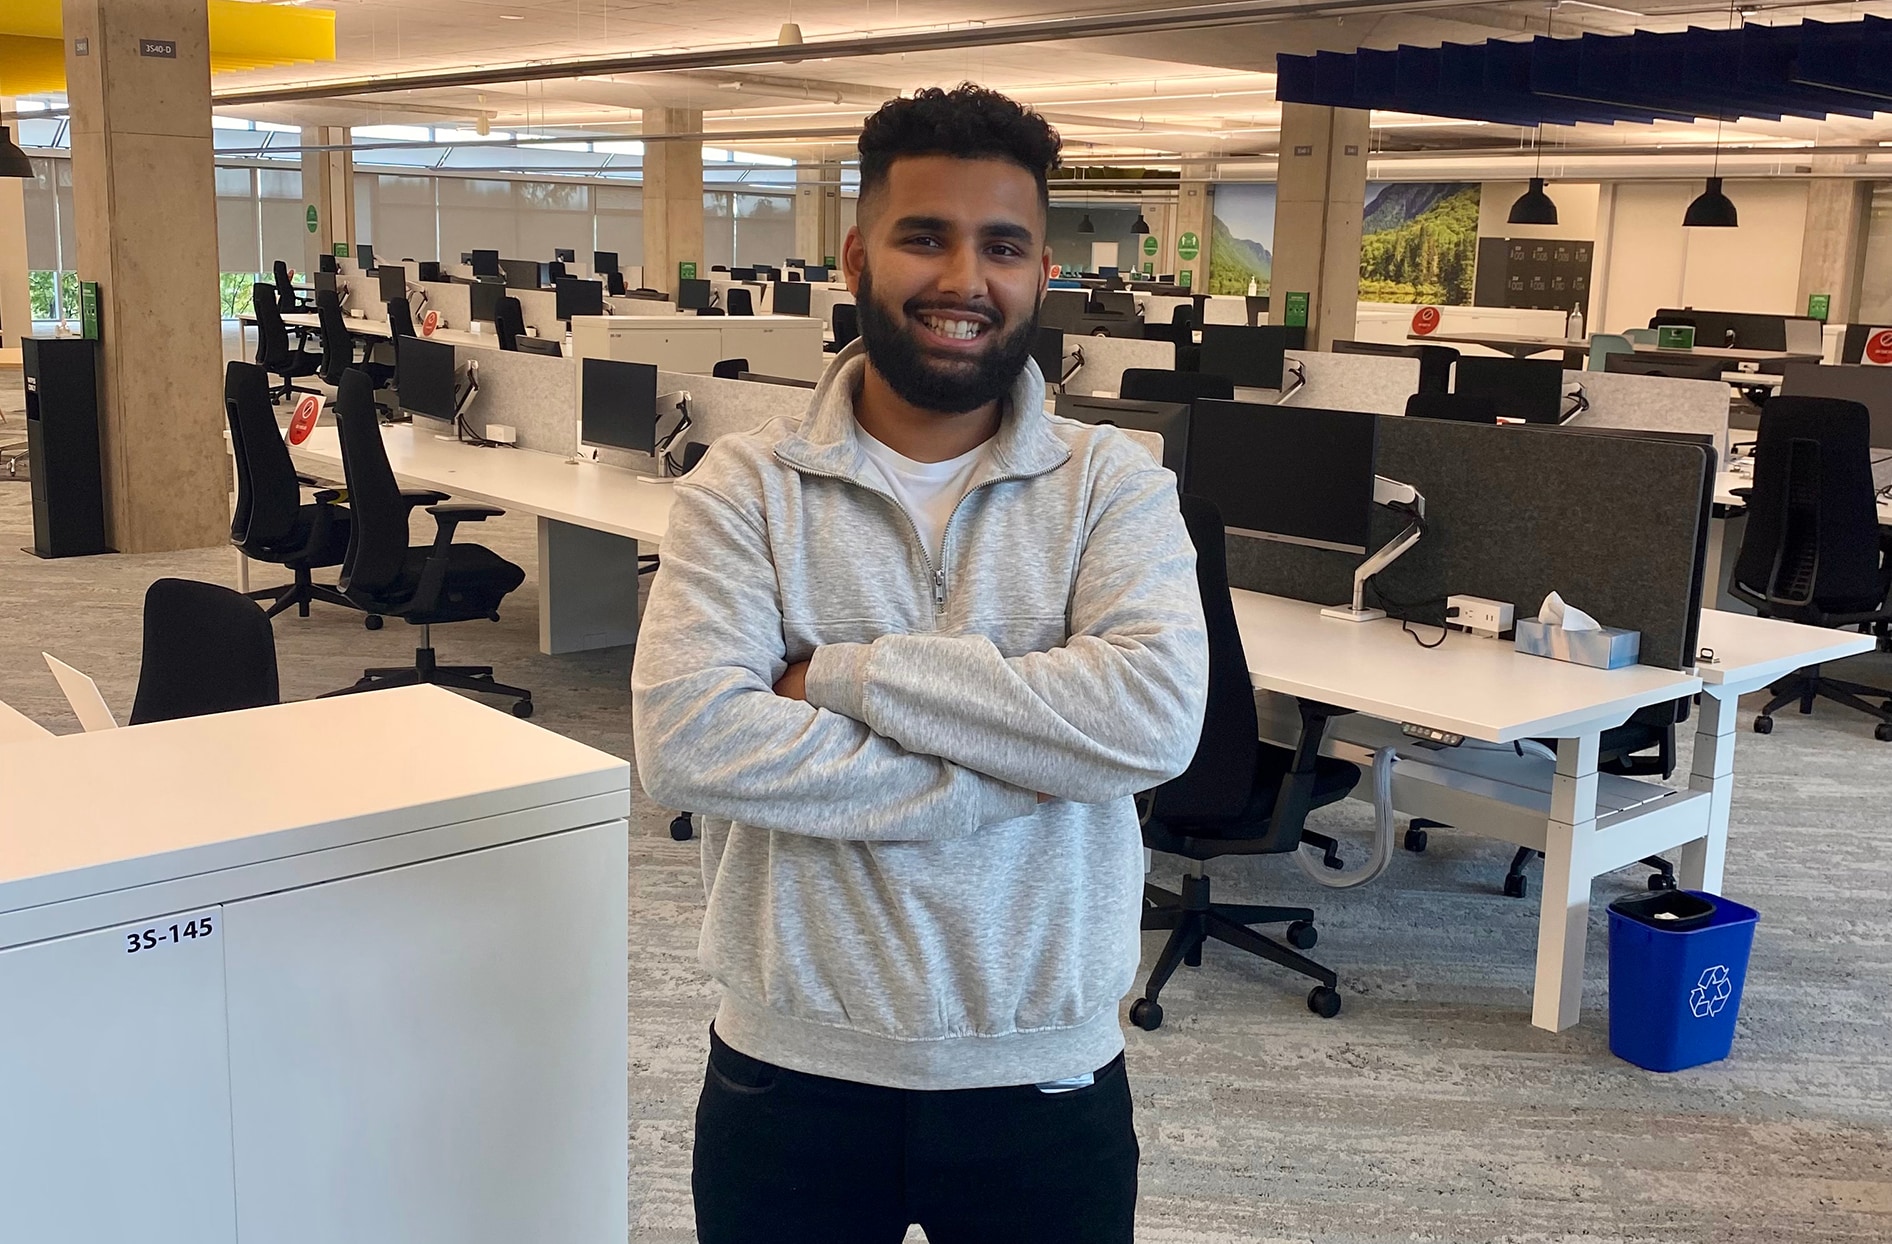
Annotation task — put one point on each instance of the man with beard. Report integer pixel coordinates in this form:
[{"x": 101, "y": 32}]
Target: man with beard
[{"x": 909, "y": 658}]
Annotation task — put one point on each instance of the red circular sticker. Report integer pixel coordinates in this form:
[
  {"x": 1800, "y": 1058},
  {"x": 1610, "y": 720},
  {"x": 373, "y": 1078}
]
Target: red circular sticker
[
  {"x": 1879, "y": 347},
  {"x": 1424, "y": 320},
  {"x": 308, "y": 410},
  {"x": 429, "y": 322},
  {"x": 1057, "y": 269}
]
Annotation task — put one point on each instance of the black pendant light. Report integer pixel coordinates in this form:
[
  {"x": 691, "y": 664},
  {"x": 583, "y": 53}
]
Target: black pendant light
[
  {"x": 1711, "y": 208},
  {"x": 13, "y": 161},
  {"x": 1085, "y": 225},
  {"x": 1533, "y": 207},
  {"x": 1141, "y": 226}
]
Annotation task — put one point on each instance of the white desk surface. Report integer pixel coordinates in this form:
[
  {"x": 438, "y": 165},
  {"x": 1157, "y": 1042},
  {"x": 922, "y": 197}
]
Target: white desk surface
[
  {"x": 584, "y": 494},
  {"x": 105, "y": 811},
  {"x": 17, "y": 727},
  {"x": 379, "y": 328},
  {"x": 1481, "y": 688},
  {"x": 1509, "y": 341},
  {"x": 1751, "y": 649}
]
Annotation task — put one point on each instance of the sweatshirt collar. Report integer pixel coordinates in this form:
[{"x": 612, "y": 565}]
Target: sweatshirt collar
[{"x": 829, "y": 443}]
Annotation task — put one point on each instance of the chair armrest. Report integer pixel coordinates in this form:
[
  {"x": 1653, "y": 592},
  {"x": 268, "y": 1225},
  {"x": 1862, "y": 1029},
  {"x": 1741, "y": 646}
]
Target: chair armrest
[
  {"x": 449, "y": 517},
  {"x": 308, "y": 480},
  {"x": 1743, "y": 493},
  {"x": 423, "y": 496}
]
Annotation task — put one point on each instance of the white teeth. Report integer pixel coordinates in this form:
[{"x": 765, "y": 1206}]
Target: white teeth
[{"x": 958, "y": 330}]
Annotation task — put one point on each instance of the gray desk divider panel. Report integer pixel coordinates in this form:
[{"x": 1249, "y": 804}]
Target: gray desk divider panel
[
  {"x": 1376, "y": 384},
  {"x": 534, "y": 393},
  {"x": 539, "y": 306},
  {"x": 453, "y": 301},
  {"x": 1514, "y": 513},
  {"x": 1652, "y": 404},
  {"x": 1107, "y": 358},
  {"x": 364, "y": 294}
]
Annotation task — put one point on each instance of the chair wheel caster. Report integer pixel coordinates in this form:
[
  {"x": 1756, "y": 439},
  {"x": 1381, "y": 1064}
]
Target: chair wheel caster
[
  {"x": 372, "y": 622},
  {"x": 1883, "y": 732},
  {"x": 1148, "y": 1015},
  {"x": 522, "y": 708},
  {"x": 680, "y": 828},
  {"x": 1416, "y": 841},
  {"x": 1302, "y": 935},
  {"x": 1661, "y": 881},
  {"x": 1324, "y": 1002},
  {"x": 1516, "y": 887},
  {"x": 1763, "y": 725}
]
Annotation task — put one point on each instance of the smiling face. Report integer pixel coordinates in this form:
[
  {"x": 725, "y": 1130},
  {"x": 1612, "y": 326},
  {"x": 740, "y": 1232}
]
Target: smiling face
[{"x": 948, "y": 267}]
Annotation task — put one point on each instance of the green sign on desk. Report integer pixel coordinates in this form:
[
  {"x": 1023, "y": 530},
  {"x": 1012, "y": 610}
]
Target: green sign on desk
[
  {"x": 1183, "y": 278},
  {"x": 341, "y": 250},
  {"x": 1294, "y": 309},
  {"x": 827, "y": 261},
  {"x": 1675, "y": 336},
  {"x": 1819, "y": 306},
  {"x": 1149, "y": 269},
  {"x": 686, "y": 270}
]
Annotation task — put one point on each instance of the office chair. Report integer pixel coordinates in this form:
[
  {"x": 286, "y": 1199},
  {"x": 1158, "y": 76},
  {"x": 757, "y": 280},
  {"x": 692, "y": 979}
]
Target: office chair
[
  {"x": 730, "y": 369},
  {"x": 1602, "y": 345},
  {"x": 847, "y": 326},
  {"x": 207, "y": 649},
  {"x": 1461, "y": 407},
  {"x": 271, "y": 523},
  {"x": 1239, "y": 796},
  {"x": 424, "y": 584},
  {"x": 273, "y": 351},
  {"x": 1435, "y": 368},
  {"x": 1813, "y": 550},
  {"x": 338, "y": 345},
  {"x": 739, "y": 301},
  {"x": 556, "y": 270},
  {"x": 509, "y": 322},
  {"x": 711, "y": 311},
  {"x": 286, "y": 298},
  {"x": 1151, "y": 384},
  {"x": 401, "y": 318},
  {"x": 719, "y": 267}
]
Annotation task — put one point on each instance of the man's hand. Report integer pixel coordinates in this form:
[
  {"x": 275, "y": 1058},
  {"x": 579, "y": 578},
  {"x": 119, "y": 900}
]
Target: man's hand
[{"x": 793, "y": 684}]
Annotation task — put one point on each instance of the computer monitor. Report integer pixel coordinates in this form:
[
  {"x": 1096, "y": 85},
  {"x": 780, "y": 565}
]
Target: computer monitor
[
  {"x": 429, "y": 270},
  {"x": 364, "y": 256},
  {"x": 537, "y": 345},
  {"x": 485, "y": 296},
  {"x": 425, "y": 379},
  {"x": 1114, "y": 302},
  {"x": 793, "y": 298},
  {"x": 787, "y": 381},
  {"x": 693, "y": 295},
  {"x": 1169, "y": 420},
  {"x": 1293, "y": 474},
  {"x": 325, "y": 282},
  {"x": 575, "y": 297},
  {"x": 520, "y": 273},
  {"x": 393, "y": 278},
  {"x": 485, "y": 263},
  {"x": 1106, "y": 273},
  {"x": 742, "y": 274},
  {"x": 1868, "y": 384},
  {"x": 1527, "y": 390},
  {"x": 466, "y": 257},
  {"x": 815, "y": 275},
  {"x": 794, "y": 263},
  {"x": 1063, "y": 308},
  {"x": 604, "y": 262},
  {"x": 326, "y": 263},
  {"x": 1048, "y": 352},
  {"x": 1252, "y": 358},
  {"x": 564, "y": 254},
  {"x": 618, "y": 409}
]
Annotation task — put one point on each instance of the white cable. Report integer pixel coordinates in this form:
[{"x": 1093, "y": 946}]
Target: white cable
[{"x": 1383, "y": 837}]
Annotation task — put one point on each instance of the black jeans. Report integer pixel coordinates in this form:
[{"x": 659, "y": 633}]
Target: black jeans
[{"x": 783, "y": 1157}]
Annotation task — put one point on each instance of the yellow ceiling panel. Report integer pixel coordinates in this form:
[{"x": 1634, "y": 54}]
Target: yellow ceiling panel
[{"x": 242, "y": 36}]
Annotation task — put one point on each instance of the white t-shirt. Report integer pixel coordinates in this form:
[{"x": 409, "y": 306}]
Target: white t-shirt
[{"x": 928, "y": 491}]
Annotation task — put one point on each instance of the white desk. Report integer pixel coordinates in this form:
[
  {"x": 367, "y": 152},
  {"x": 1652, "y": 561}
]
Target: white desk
[
  {"x": 17, "y": 727},
  {"x": 393, "y": 1007},
  {"x": 591, "y": 518},
  {"x": 774, "y": 345},
  {"x": 1586, "y": 824},
  {"x": 364, "y": 327}
]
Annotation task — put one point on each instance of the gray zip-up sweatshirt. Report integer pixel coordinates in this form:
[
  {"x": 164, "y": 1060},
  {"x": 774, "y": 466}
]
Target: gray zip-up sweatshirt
[{"x": 889, "y": 900}]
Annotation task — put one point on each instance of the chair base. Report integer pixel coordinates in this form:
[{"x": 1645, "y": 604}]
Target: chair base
[
  {"x": 1806, "y": 685},
  {"x": 427, "y": 671},
  {"x": 1192, "y": 920},
  {"x": 300, "y": 594}
]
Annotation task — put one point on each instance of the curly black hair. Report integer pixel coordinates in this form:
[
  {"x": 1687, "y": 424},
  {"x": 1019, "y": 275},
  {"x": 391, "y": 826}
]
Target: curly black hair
[{"x": 968, "y": 121}]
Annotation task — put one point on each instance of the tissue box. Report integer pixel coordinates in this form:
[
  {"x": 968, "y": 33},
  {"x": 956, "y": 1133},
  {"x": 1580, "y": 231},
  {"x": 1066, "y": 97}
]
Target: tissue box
[{"x": 1607, "y": 648}]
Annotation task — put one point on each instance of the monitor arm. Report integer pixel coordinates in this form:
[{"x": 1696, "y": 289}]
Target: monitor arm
[
  {"x": 1297, "y": 373},
  {"x": 665, "y": 463},
  {"x": 1077, "y": 354},
  {"x": 1401, "y": 499}
]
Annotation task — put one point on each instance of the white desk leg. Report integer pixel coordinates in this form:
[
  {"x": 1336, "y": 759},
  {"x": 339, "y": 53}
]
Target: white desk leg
[
  {"x": 1712, "y": 771},
  {"x": 587, "y": 588},
  {"x": 1563, "y": 917}
]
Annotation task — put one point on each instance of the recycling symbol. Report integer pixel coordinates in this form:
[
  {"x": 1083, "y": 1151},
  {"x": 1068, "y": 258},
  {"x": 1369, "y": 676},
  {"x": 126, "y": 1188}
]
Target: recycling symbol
[{"x": 1711, "y": 992}]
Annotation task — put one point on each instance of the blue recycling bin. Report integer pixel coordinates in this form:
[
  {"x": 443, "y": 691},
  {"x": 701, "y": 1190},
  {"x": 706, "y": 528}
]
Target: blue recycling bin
[{"x": 1678, "y": 960}]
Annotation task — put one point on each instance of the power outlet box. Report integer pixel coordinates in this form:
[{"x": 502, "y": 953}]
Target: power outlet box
[{"x": 1492, "y": 619}]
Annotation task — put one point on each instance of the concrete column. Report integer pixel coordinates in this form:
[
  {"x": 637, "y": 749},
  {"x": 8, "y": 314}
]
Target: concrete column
[
  {"x": 673, "y": 197},
  {"x": 144, "y": 199},
  {"x": 328, "y": 185},
  {"x": 16, "y": 307},
  {"x": 1195, "y": 213},
  {"x": 1320, "y": 198},
  {"x": 1833, "y": 251},
  {"x": 818, "y": 211}
]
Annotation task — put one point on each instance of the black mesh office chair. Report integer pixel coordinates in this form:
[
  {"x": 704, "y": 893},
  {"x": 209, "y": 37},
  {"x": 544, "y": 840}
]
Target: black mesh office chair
[
  {"x": 1239, "y": 796},
  {"x": 509, "y": 322},
  {"x": 1813, "y": 550},
  {"x": 847, "y": 326},
  {"x": 1435, "y": 368},
  {"x": 401, "y": 318},
  {"x": 711, "y": 311},
  {"x": 729, "y": 369},
  {"x": 739, "y": 301},
  {"x": 207, "y": 649},
  {"x": 1460, "y": 407},
  {"x": 424, "y": 584},
  {"x": 271, "y": 523},
  {"x": 1152, "y": 384},
  {"x": 273, "y": 351},
  {"x": 286, "y": 297},
  {"x": 338, "y": 345}
]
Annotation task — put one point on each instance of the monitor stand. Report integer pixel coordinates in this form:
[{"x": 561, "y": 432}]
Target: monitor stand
[{"x": 1407, "y": 500}]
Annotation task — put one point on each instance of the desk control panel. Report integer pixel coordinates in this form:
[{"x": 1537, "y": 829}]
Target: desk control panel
[{"x": 1431, "y": 734}]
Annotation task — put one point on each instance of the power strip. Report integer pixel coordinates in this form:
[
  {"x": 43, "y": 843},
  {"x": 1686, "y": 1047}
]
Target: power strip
[{"x": 1492, "y": 619}]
